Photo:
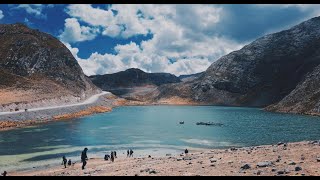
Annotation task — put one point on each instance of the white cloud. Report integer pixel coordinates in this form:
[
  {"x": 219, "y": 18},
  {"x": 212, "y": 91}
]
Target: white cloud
[
  {"x": 33, "y": 9},
  {"x": 73, "y": 32},
  {"x": 1, "y": 14},
  {"x": 182, "y": 33}
]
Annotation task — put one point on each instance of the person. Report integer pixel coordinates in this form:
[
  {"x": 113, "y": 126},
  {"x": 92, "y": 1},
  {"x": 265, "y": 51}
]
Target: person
[
  {"x": 4, "y": 173},
  {"x": 106, "y": 157},
  {"x": 186, "y": 151},
  {"x": 131, "y": 153},
  {"x": 115, "y": 154},
  {"x": 69, "y": 162},
  {"x": 112, "y": 156},
  {"x": 84, "y": 158},
  {"x": 64, "y": 161},
  {"x": 128, "y": 153}
]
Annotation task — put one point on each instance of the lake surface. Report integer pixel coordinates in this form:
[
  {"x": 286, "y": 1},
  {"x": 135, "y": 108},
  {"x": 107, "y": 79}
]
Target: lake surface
[{"x": 151, "y": 130}]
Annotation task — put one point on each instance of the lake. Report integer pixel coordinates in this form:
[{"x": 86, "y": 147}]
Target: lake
[{"x": 153, "y": 130}]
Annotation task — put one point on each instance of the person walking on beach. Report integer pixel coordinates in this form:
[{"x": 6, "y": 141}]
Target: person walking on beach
[
  {"x": 112, "y": 156},
  {"x": 84, "y": 158},
  {"x": 128, "y": 153},
  {"x": 115, "y": 154},
  {"x": 4, "y": 173},
  {"x": 131, "y": 153},
  {"x": 69, "y": 162},
  {"x": 64, "y": 161}
]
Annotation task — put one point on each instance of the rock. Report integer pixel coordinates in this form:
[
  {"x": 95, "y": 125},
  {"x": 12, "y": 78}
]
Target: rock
[
  {"x": 318, "y": 159},
  {"x": 292, "y": 163},
  {"x": 145, "y": 170},
  {"x": 179, "y": 159},
  {"x": 264, "y": 164},
  {"x": 187, "y": 158},
  {"x": 259, "y": 173},
  {"x": 280, "y": 143},
  {"x": 245, "y": 167},
  {"x": 273, "y": 170},
  {"x": 136, "y": 175},
  {"x": 152, "y": 172},
  {"x": 168, "y": 155},
  {"x": 285, "y": 171},
  {"x": 298, "y": 168},
  {"x": 213, "y": 160}
]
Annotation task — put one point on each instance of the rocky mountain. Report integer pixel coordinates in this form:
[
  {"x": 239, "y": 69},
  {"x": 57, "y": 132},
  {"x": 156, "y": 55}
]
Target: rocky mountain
[
  {"x": 190, "y": 77},
  {"x": 36, "y": 67},
  {"x": 280, "y": 66},
  {"x": 131, "y": 80}
]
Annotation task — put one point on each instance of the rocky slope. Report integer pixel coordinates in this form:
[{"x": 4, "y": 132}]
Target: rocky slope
[
  {"x": 38, "y": 69},
  {"x": 261, "y": 73},
  {"x": 132, "y": 81}
]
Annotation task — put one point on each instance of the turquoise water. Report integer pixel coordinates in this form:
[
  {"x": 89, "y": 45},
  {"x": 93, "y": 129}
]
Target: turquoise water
[{"x": 151, "y": 130}]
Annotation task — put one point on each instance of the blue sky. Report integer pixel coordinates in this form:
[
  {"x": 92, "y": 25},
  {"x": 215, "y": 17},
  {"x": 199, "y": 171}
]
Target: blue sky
[{"x": 179, "y": 39}]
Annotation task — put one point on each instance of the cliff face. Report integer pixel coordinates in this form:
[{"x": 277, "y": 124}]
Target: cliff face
[
  {"x": 261, "y": 73},
  {"x": 38, "y": 64}
]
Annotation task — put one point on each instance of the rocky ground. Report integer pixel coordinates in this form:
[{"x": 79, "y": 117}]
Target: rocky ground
[{"x": 293, "y": 159}]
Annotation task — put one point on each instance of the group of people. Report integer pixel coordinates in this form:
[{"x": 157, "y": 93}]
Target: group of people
[
  {"x": 129, "y": 153},
  {"x": 112, "y": 156},
  {"x": 65, "y": 162},
  {"x": 84, "y": 158}
]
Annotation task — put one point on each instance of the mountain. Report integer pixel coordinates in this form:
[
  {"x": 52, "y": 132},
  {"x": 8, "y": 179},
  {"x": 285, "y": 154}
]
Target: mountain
[
  {"x": 190, "y": 77},
  {"x": 132, "y": 81},
  {"x": 38, "y": 69},
  {"x": 279, "y": 66}
]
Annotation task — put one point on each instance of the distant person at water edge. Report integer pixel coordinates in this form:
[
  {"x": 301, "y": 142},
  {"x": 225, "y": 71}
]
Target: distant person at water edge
[
  {"x": 4, "y": 173},
  {"x": 69, "y": 162},
  {"x": 112, "y": 156},
  {"x": 84, "y": 158},
  {"x": 64, "y": 161},
  {"x": 186, "y": 151},
  {"x": 106, "y": 157},
  {"x": 131, "y": 153},
  {"x": 128, "y": 153},
  {"x": 115, "y": 154}
]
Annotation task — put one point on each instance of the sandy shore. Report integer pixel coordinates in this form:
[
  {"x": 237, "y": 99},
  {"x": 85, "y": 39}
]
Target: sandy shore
[{"x": 293, "y": 159}]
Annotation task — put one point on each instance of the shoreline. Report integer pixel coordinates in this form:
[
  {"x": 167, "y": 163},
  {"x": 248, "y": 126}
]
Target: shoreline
[{"x": 292, "y": 159}]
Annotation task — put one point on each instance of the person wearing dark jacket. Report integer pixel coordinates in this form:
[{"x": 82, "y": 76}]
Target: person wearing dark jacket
[
  {"x": 64, "y": 161},
  {"x": 84, "y": 158},
  {"x": 4, "y": 173}
]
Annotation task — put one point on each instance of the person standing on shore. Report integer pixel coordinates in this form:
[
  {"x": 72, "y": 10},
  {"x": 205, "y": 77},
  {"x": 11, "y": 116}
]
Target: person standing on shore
[
  {"x": 128, "y": 153},
  {"x": 112, "y": 156},
  {"x": 4, "y": 173},
  {"x": 131, "y": 153},
  {"x": 84, "y": 158},
  {"x": 64, "y": 161}
]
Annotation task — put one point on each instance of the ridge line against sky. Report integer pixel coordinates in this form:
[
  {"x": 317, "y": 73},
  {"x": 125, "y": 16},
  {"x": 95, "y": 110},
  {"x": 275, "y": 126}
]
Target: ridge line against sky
[{"x": 178, "y": 39}]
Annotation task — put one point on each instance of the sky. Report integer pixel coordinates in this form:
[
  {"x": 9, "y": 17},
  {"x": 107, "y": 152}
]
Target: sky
[{"x": 177, "y": 39}]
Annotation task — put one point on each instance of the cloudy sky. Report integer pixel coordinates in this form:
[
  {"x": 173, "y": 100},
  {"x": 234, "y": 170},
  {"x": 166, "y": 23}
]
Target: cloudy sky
[{"x": 179, "y": 39}]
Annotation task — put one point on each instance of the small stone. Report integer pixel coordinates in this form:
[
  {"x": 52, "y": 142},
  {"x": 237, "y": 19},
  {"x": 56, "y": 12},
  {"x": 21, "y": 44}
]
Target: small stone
[
  {"x": 152, "y": 172},
  {"x": 292, "y": 163},
  {"x": 245, "y": 167},
  {"x": 318, "y": 159},
  {"x": 136, "y": 175},
  {"x": 213, "y": 160},
  {"x": 264, "y": 164},
  {"x": 179, "y": 159},
  {"x": 298, "y": 168},
  {"x": 273, "y": 170},
  {"x": 259, "y": 173},
  {"x": 280, "y": 143}
]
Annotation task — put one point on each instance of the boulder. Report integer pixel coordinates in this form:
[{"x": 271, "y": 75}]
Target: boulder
[{"x": 264, "y": 164}]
